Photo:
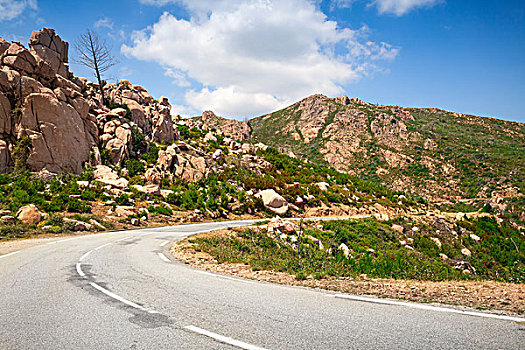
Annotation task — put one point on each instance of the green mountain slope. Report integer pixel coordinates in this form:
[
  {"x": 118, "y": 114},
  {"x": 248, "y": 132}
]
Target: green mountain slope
[{"x": 431, "y": 152}]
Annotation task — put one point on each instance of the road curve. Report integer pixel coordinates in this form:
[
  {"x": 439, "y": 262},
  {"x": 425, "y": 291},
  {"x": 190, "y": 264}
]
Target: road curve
[{"x": 122, "y": 290}]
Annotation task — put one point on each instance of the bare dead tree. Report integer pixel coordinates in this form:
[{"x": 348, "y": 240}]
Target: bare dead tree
[{"x": 95, "y": 54}]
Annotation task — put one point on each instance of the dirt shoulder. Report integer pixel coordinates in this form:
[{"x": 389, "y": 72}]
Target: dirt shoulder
[{"x": 507, "y": 298}]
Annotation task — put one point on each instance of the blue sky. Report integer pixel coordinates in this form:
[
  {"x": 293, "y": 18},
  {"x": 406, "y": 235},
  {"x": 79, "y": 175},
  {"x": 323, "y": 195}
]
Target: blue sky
[{"x": 243, "y": 58}]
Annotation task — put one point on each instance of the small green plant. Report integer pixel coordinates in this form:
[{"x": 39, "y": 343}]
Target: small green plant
[
  {"x": 160, "y": 209},
  {"x": 135, "y": 167},
  {"x": 21, "y": 153},
  {"x": 122, "y": 199}
]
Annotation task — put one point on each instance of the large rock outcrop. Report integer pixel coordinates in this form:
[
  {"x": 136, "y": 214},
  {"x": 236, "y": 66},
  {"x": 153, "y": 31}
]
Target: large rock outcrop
[
  {"x": 62, "y": 115},
  {"x": 38, "y": 100},
  {"x": 235, "y": 129}
]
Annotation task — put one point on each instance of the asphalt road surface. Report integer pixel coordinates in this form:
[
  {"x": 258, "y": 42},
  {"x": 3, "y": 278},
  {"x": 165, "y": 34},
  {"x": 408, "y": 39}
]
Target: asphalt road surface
[{"x": 123, "y": 290}]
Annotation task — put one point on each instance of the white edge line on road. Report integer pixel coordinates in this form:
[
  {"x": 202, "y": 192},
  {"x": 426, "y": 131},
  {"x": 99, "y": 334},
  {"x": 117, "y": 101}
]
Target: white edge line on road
[
  {"x": 79, "y": 271},
  {"x": 119, "y": 298},
  {"x": 223, "y": 276},
  {"x": 12, "y": 253},
  {"x": 223, "y": 339},
  {"x": 164, "y": 243},
  {"x": 64, "y": 240},
  {"x": 102, "y": 246},
  {"x": 427, "y": 307},
  {"x": 85, "y": 255},
  {"x": 123, "y": 239},
  {"x": 163, "y": 257}
]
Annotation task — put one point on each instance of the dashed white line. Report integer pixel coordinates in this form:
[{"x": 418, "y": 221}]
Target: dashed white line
[
  {"x": 102, "y": 246},
  {"x": 223, "y": 339},
  {"x": 164, "y": 243},
  {"x": 12, "y": 253},
  {"x": 123, "y": 239},
  {"x": 163, "y": 257},
  {"x": 79, "y": 271},
  {"x": 85, "y": 255},
  {"x": 427, "y": 307},
  {"x": 119, "y": 298}
]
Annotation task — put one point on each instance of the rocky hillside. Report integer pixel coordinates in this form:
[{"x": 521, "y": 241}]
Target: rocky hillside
[
  {"x": 428, "y": 151},
  {"x": 69, "y": 162}
]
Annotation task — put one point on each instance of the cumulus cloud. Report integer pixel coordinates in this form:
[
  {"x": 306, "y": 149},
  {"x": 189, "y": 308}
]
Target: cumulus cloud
[
  {"x": 401, "y": 7},
  {"x": 11, "y": 9},
  {"x": 104, "y": 23},
  {"x": 254, "y": 56}
]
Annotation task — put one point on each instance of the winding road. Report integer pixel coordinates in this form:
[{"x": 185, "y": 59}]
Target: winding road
[{"x": 123, "y": 290}]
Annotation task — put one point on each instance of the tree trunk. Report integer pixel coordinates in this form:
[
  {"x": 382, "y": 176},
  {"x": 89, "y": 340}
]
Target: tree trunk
[
  {"x": 93, "y": 51},
  {"x": 101, "y": 88}
]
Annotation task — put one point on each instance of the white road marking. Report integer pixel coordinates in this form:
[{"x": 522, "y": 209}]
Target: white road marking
[
  {"x": 163, "y": 257},
  {"x": 79, "y": 271},
  {"x": 164, "y": 243},
  {"x": 123, "y": 239},
  {"x": 427, "y": 307},
  {"x": 222, "y": 276},
  {"x": 102, "y": 246},
  {"x": 85, "y": 255},
  {"x": 64, "y": 240},
  {"x": 119, "y": 298},
  {"x": 12, "y": 253},
  {"x": 223, "y": 339}
]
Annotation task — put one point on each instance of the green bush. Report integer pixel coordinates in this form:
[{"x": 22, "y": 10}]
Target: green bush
[
  {"x": 21, "y": 153},
  {"x": 161, "y": 209},
  {"x": 122, "y": 199},
  {"x": 135, "y": 167}
]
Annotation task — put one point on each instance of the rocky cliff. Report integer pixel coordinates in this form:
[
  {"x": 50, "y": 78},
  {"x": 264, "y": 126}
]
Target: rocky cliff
[{"x": 62, "y": 115}]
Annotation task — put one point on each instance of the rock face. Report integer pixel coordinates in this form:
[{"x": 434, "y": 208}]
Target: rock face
[
  {"x": 235, "y": 129},
  {"x": 62, "y": 115},
  {"x": 39, "y": 101}
]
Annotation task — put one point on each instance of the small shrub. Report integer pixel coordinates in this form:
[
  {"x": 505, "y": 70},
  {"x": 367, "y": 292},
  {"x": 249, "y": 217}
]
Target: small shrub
[
  {"x": 161, "y": 209},
  {"x": 135, "y": 167},
  {"x": 21, "y": 153}
]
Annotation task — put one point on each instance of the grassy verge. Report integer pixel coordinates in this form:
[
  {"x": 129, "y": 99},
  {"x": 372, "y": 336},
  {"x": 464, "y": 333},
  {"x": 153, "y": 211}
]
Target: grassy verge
[{"x": 375, "y": 249}]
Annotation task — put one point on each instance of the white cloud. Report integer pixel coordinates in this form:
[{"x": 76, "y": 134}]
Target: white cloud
[
  {"x": 401, "y": 7},
  {"x": 254, "y": 56},
  {"x": 104, "y": 23},
  {"x": 179, "y": 78},
  {"x": 11, "y": 9}
]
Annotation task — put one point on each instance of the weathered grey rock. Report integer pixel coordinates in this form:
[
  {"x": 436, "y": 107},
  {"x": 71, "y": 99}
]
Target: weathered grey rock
[
  {"x": 5, "y": 156},
  {"x": 5, "y": 115},
  {"x": 344, "y": 248},
  {"x": 323, "y": 186},
  {"x": 19, "y": 58},
  {"x": 29, "y": 214},
  {"x": 106, "y": 175},
  {"x": 76, "y": 225},
  {"x": 273, "y": 201},
  {"x": 398, "y": 228},
  {"x": 124, "y": 210},
  {"x": 4, "y": 45},
  {"x": 8, "y": 219},
  {"x": 149, "y": 189}
]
